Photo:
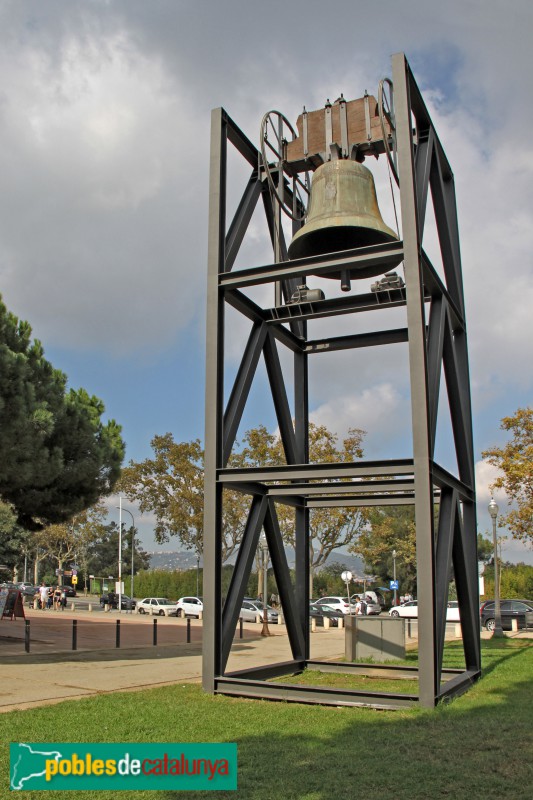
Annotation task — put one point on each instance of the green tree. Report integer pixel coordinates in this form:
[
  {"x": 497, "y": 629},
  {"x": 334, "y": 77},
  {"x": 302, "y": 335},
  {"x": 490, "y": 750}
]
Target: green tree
[
  {"x": 171, "y": 486},
  {"x": 390, "y": 528},
  {"x": 485, "y": 548},
  {"x": 515, "y": 461},
  {"x": 330, "y": 528},
  {"x": 58, "y": 457},
  {"x": 13, "y": 539},
  {"x": 103, "y": 552}
]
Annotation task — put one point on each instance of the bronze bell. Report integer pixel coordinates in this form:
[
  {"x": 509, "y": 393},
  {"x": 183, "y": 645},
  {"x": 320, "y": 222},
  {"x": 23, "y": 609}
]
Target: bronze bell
[{"x": 343, "y": 214}]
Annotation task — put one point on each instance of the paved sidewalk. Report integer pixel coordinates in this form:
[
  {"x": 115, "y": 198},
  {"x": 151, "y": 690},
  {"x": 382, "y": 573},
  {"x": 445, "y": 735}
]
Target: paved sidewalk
[{"x": 52, "y": 672}]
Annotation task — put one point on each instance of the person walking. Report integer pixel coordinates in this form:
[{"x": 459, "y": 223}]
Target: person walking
[
  {"x": 57, "y": 598},
  {"x": 43, "y": 596}
]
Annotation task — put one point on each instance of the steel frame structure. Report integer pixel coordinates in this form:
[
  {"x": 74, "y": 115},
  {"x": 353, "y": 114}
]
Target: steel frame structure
[{"x": 436, "y": 342}]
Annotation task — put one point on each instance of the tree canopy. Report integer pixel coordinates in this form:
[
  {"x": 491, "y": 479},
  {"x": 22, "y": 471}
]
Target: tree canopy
[
  {"x": 57, "y": 455},
  {"x": 390, "y": 528},
  {"x": 171, "y": 486},
  {"x": 515, "y": 461}
]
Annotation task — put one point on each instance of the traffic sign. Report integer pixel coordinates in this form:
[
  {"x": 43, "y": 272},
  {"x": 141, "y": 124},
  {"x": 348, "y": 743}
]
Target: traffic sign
[
  {"x": 394, "y": 584},
  {"x": 74, "y": 580}
]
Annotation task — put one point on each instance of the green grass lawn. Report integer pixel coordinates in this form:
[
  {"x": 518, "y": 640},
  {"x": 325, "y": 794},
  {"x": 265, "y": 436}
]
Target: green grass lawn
[{"x": 478, "y": 747}]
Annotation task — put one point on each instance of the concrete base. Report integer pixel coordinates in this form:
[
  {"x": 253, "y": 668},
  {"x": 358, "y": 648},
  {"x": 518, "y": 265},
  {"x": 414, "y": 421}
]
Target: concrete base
[{"x": 376, "y": 638}]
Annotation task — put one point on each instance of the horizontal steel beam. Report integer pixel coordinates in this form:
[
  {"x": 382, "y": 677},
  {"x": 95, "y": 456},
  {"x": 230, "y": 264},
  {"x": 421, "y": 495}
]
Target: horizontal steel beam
[
  {"x": 372, "y": 339},
  {"x": 290, "y": 472},
  {"x": 379, "y": 256},
  {"x": 363, "y": 502},
  {"x": 316, "y": 695},
  {"x": 335, "y": 306},
  {"x": 356, "y": 487}
]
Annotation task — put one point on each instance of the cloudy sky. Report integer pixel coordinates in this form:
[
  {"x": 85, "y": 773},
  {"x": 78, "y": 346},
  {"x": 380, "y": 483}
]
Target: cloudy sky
[{"x": 104, "y": 156}]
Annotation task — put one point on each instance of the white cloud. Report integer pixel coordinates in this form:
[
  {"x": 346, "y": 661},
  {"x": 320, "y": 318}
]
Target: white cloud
[
  {"x": 377, "y": 410},
  {"x": 486, "y": 474}
]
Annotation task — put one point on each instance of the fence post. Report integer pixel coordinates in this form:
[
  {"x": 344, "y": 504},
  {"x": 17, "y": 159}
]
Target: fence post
[
  {"x": 117, "y": 634},
  {"x": 188, "y": 630},
  {"x": 155, "y": 632},
  {"x": 74, "y": 634},
  {"x": 27, "y": 636}
]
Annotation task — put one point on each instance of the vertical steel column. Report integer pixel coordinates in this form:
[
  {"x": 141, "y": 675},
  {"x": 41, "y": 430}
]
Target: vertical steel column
[
  {"x": 428, "y": 678},
  {"x": 302, "y": 566},
  {"x": 212, "y": 623}
]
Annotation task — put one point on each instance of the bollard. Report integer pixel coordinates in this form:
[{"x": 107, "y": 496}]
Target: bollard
[
  {"x": 117, "y": 634},
  {"x": 326, "y": 623},
  {"x": 188, "y": 630},
  {"x": 90, "y": 608},
  {"x": 74, "y": 634},
  {"x": 409, "y": 629},
  {"x": 457, "y": 630},
  {"x": 514, "y": 625},
  {"x": 73, "y": 606},
  {"x": 106, "y": 606},
  {"x": 154, "y": 631},
  {"x": 241, "y": 627},
  {"x": 27, "y": 636},
  {"x": 258, "y": 619},
  {"x": 201, "y": 615},
  {"x": 313, "y": 624},
  {"x": 35, "y": 604},
  {"x": 341, "y": 622}
]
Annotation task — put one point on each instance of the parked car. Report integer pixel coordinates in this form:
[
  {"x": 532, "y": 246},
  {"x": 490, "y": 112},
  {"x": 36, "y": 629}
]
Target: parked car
[
  {"x": 340, "y": 603},
  {"x": 320, "y": 612},
  {"x": 157, "y": 605},
  {"x": 28, "y": 589},
  {"x": 190, "y": 607},
  {"x": 410, "y": 609},
  {"x": 70, "y": 591},
  {"x": 373, "y": 608},
  {"x": 251, "y": 609},
  {"x": 521, "y": 610},
  {"x": 111, "y": 599}
]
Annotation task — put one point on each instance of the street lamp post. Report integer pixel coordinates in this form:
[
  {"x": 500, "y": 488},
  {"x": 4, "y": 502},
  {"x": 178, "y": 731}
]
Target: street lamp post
[
  {"x": 346, "y": 576},
  {"x": 132, "y": 545},
  {"x": 264, "y": 550},
  {"x": 394, "y": 577},
  {"x": 498, "y": 630},
  {"x": 197, "y": 574}
]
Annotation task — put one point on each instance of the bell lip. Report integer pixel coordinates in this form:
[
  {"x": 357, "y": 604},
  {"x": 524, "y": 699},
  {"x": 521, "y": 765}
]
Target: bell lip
[{"x": 338, "y": 231}]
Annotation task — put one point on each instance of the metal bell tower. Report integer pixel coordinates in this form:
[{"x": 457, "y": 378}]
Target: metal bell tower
[{"x": 436, "y": 339}]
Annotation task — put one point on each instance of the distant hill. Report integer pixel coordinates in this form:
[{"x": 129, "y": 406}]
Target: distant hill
[{"x": 176, "y": 560}]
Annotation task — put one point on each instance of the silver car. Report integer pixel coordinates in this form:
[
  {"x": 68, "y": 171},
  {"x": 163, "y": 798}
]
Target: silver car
[{"x": 251, "y": 610}]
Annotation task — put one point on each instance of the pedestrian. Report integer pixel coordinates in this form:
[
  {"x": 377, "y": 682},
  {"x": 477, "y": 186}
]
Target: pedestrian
[
  {"x": 57, "y": 598},
  {"x": 43, "y": 596},
  {"x": 63, "y": 600},
  {"x": 358, "y": 608},
  {"x": 50, "y": 601}
]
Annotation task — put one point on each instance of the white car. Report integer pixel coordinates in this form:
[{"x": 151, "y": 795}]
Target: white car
[
  {"x": 157, "y": 605},
  {"x": 190, "y": 607},
  {"x": 410, "y": 609},
  {"x": 338, "y": 603}
]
